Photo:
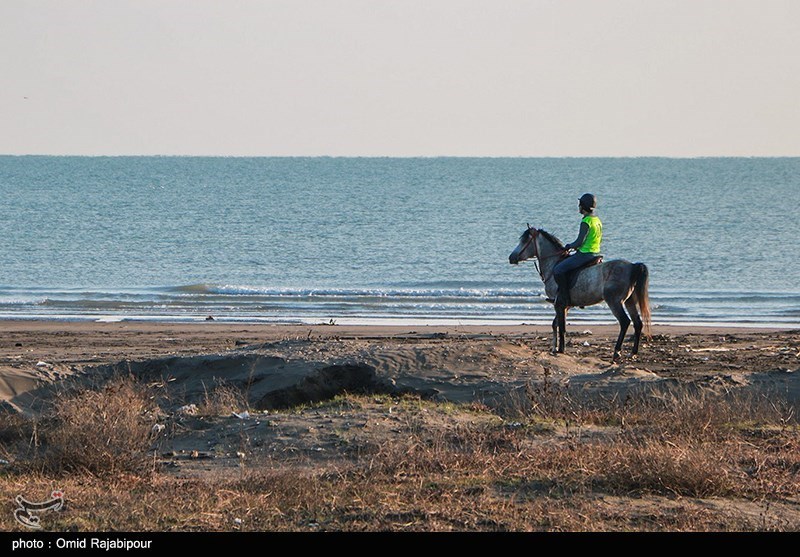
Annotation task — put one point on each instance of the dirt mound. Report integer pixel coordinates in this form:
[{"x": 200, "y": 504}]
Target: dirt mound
[
  {"x": 457, "y": 368},
  {"x": 330, "y": 381}
]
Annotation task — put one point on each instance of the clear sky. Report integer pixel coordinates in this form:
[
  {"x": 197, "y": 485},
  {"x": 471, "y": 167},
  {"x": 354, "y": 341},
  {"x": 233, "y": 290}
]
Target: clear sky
[{"x": 679, "y": 78}]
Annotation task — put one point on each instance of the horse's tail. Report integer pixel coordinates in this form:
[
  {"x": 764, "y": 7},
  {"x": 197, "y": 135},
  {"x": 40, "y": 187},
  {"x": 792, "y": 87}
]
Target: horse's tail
[{"x": 641, "y": 276}]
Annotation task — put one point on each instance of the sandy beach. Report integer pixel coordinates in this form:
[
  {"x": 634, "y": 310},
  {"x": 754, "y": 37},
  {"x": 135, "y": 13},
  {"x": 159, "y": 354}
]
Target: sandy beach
[
  {"x": 243, "y": 400},
  {"x": 454, "y": 363}
]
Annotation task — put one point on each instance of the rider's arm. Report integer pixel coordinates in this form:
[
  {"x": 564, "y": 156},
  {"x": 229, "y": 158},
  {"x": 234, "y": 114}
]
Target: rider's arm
[{"x": 581, "y": 237}]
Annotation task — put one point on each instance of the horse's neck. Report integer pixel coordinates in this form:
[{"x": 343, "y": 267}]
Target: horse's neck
[{"x": 547, "y": 260}]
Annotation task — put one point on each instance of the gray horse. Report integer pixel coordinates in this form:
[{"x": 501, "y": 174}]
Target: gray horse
[{"x": 619, "y": 283}]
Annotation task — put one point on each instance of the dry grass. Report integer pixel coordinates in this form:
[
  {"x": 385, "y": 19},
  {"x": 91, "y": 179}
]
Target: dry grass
[
  {"x": 670, "y": 461},
  {"x": 222, "y": 399},
  {"x": 104, "y": 432}
]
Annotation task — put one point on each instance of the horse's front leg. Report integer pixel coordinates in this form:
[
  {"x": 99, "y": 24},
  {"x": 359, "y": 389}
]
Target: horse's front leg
[
  {"x": 561, "y": 321},
  {"x": 554, "y": 344}
]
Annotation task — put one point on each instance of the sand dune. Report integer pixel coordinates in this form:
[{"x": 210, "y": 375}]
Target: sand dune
[{"x": 283, "y": 365}]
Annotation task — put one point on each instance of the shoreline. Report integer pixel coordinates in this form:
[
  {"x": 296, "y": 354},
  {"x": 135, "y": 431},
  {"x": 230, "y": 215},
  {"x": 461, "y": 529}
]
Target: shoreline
[
  {"x": 358, "y": 328},
  {"x": 7, "y": 322}
]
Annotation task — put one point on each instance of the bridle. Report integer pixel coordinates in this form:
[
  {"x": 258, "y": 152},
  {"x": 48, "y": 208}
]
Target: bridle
[{"x": 532, "y": 234}]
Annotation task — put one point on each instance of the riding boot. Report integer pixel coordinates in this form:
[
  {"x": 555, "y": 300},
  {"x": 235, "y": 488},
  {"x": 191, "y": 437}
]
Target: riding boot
[{"x": 562, "y": 297}]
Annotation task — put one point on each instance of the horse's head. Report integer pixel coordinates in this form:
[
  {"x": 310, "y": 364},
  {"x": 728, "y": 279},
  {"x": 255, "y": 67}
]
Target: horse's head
[
  {"x": 535, "y": 242},
  {"x": 526, "y": 247}
]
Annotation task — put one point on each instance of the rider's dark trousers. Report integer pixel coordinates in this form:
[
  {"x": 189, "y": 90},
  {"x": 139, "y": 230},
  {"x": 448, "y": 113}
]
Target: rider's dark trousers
[{"x": 562, "y": 270}]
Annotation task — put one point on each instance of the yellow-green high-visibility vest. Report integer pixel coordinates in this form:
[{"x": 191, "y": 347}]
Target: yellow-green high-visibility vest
[{"x": 592, "y": 242}]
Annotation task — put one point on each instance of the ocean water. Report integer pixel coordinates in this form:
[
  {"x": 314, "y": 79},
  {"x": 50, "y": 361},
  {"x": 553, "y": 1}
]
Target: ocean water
[{"x": 387, "y": 240}]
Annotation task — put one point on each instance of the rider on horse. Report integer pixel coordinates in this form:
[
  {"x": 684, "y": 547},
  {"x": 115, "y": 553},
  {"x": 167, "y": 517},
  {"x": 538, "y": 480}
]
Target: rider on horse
[{"x": 587, "y": 247}]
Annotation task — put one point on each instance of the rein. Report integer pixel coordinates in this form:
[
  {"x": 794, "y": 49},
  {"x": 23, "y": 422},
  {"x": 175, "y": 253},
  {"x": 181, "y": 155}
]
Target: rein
[{"x": 532, "y": 233}]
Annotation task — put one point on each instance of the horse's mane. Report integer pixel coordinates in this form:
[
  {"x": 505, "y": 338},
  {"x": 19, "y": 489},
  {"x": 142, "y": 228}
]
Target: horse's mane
[{"x": 551, "y": 238}]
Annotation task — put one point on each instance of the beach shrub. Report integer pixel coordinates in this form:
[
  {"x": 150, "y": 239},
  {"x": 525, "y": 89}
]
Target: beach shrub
[
  {"x": 102, "y": 431},
  {"x": 222, "y": 399}
]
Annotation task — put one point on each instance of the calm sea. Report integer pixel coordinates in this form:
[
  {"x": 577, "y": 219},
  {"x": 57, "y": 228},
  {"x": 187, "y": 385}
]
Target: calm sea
[{"x": 387, "y": 240}]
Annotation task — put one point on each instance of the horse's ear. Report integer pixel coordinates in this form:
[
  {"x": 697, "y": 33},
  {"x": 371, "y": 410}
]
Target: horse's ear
[{"x": 529, "y": 225}]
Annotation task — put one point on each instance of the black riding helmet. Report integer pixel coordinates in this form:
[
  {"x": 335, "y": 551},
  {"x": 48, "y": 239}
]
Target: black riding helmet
[{"x": 588, "y": 202}]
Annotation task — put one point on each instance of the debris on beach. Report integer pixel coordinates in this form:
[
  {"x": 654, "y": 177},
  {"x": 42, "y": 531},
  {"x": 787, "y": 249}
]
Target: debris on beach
[
  {"x": 192, "y": 454},
  {"x": 190, "y": 409}
]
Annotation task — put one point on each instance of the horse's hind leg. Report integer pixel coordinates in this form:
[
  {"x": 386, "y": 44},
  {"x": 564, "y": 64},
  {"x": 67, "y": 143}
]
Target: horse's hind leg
[
  {"x": 554, "y": 347},
  {"x": 624, "y": 321},
  {"x": 633, "y": 311}
]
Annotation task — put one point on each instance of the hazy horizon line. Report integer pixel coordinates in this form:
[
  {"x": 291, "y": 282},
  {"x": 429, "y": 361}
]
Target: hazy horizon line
[{"x": 128, "y": 155}]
